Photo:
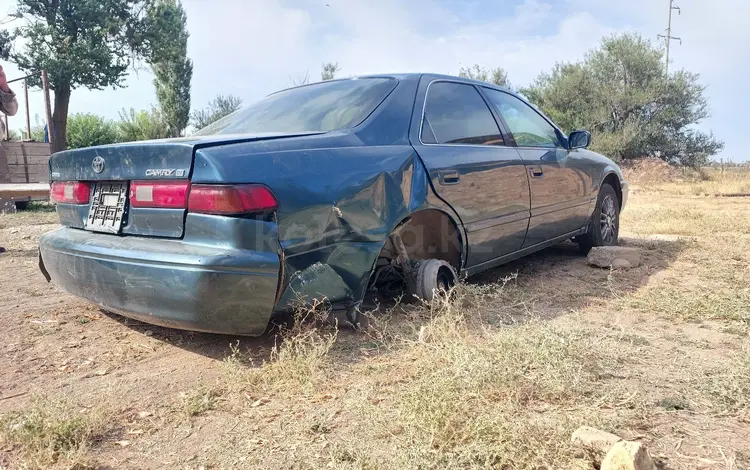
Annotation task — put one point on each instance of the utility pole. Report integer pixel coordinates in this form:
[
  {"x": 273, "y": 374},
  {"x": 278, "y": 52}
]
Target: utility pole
[{"x": 667, "y": 37}]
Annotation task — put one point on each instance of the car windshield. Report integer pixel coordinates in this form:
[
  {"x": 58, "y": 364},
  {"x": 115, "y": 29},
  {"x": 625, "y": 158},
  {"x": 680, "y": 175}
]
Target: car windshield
[{"x": 320, "y": 107}]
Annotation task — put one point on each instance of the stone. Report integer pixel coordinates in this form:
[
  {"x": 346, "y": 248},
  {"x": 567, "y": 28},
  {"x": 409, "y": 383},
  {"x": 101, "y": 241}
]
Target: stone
[
  {"x": 593, "y": 438},
  {"x": 621, "y": 263},
  {"x": 615, "y": 257},
  {"x": 626, "y": 455}
]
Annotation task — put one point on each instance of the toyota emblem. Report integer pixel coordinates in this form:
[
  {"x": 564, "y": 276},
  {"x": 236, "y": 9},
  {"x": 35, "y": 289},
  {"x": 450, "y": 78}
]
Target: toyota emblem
[{"x": 98, "y": 164}]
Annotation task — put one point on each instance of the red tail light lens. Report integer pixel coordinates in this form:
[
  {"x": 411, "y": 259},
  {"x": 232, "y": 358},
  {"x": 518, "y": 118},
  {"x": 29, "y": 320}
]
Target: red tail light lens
[
  {"x": 162, "y": 194},
  {"x": 70, "y": 192},
  {"x": 231, "y": 200}
]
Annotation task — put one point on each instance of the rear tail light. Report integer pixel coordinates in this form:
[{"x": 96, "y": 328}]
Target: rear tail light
[
  {"x": 231, "y": 199},
  {"x": 162, "y": 194},
  {"x": 70, "y": 192}
]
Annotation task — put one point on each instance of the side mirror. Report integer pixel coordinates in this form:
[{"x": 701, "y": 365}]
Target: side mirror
[{"x": 579, "y": 140}]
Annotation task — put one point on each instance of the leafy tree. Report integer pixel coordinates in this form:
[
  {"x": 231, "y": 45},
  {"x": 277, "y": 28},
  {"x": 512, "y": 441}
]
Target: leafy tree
[
  {"x": 37, "y": 131},
  {"x": 88, "y": 130},
  {"x": 15, "y": 134},
  {"x": 6, "y": 41},
  {"x": 173, "y": 70},
  {"x": 218, "y": 108},
  {"x": 89, "y": 43},
  {"x": 620, "y": 93},
  {"x": 497, "y": 76},
  {"x": 329, "y": 70},
  {"x": 141, "y": 125}
]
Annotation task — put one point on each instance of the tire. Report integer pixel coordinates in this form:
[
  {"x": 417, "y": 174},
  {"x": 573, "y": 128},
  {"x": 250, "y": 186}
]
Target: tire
[
  {"x": 434, "y": 277},
  {"x": 604, "y": 227}
]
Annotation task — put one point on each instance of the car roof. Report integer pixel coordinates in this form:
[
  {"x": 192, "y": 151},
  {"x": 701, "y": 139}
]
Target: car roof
[
  {"x": 418, "y": 76},
  {"x": 435, "y": 76}
]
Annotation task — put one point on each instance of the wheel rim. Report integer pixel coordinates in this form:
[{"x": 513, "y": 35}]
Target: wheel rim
[
  {"x": 608, "y": 220},
  {"x": 444, "y": 280}
]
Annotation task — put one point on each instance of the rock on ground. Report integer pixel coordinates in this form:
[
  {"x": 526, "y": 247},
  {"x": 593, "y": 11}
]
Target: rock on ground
[
  {"x": 625, "y": 455},
  {"x": 617, "y": 257}
]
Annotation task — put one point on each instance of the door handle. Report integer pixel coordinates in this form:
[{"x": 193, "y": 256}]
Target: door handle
[
  {"x": 449, "y": 177},
  {"x": 536, "y": 171}
]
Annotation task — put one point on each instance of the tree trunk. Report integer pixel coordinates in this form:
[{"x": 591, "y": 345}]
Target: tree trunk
[{"x": 60, "y": 117}]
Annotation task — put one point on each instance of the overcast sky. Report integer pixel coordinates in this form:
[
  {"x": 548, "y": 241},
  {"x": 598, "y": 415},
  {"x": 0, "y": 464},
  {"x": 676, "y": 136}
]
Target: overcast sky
[{"x": 250, "y": 48}]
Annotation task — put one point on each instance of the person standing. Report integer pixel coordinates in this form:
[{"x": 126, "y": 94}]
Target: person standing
[{"x": 8, "y": 101}]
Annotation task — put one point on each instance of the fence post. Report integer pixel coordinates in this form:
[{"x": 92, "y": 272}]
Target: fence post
[
  {"x": 47, "y": 107},
  {"x": 28, "y": 111}
]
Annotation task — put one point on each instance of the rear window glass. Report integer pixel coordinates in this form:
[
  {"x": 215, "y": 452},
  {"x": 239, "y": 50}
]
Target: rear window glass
[{"x": 320, "y": 107}]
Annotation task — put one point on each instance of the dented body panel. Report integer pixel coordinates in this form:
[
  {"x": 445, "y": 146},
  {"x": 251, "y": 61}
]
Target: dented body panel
[{"x": 341, "y": 194}]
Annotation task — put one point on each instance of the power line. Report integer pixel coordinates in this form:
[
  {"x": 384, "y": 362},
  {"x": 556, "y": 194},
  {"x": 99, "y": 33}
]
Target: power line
[{"x": 668, "y": 36}]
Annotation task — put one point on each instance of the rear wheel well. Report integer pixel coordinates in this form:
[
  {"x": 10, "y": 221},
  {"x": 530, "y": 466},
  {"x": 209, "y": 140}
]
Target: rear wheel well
[
  {"x": 428, "y": 234},
  {"x": 614, "y": 181}
]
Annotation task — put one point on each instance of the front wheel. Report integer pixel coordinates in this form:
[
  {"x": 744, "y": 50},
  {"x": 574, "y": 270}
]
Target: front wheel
[{"x": 604, "y": 227}]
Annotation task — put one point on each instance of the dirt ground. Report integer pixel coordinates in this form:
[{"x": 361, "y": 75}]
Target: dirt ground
[{"x": 497, "y": 379}]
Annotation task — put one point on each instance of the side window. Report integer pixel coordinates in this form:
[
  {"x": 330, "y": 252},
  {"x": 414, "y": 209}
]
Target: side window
[
  {"x": 455, "y": 113},
  {"x": 527, "y": 126}
]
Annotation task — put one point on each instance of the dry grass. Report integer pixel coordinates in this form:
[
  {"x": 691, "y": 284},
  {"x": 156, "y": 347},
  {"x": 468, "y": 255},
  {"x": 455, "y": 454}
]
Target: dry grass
[
  {"x": 298, "y": 360},
  {"x": 55, "y": 433},
  {"x": 201, "y": 399},
  {"x": 687, "y": 216},
  {"x": 487, "y": 400},
  {"x": 712, "y": 182},
  {"x": 658, "y": 176},
  {"x": 728, "y": 387}
]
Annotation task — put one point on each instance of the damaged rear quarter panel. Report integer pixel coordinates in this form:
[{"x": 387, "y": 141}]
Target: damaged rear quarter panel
[
  {"x": 337, "y": 206},
  {"x": 340, "y": 196}
]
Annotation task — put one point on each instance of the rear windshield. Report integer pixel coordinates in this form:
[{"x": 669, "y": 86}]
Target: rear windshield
[{"x": 320, "y": 107}]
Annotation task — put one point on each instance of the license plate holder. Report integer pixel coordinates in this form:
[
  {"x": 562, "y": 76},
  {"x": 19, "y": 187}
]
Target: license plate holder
[{"x": 107, "y": 209}]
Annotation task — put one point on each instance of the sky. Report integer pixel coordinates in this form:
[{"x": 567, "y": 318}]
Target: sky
[{"x": 250, "y": 48}]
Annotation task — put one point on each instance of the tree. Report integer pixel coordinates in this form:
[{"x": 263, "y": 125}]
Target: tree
[
  {"x": 173, "y": 70},
  {"x": 329, "y": 70},
  {"x": 89, "y": 43},
  {"x": 6, "y": 41},
  {"x": 141, "y": 125},
  {"x": 620, "y": 93},
  {"x": 87, "y": 130},
  {"x": 497, "y": 76},
  {"x": 218, "y": 108}
]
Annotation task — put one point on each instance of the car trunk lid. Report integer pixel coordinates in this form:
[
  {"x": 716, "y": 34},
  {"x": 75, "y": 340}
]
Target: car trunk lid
[{"x": 120, "y": 175}]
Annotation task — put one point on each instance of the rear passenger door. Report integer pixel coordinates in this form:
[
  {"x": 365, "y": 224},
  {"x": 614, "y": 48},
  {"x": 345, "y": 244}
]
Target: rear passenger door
[
  {"x": 558, "y": 178},
  {"x": 471, "y": 168}
]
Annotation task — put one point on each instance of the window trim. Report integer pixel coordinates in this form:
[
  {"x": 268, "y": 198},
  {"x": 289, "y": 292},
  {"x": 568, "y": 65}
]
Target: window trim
[
  {"x": 490, "y": 108},
  {"x": 560, "y": 135}
]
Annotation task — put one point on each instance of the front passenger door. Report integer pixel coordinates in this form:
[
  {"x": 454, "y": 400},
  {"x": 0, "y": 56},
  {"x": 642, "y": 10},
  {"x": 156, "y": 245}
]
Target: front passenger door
[{"x": 558, "y": 178}]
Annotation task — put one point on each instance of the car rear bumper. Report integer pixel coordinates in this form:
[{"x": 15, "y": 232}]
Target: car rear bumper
[{"x": 173, "y": 283}]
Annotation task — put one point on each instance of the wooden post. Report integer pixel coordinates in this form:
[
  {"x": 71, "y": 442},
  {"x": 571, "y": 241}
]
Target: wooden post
[
  {"x": 28, "y": 112},
  {"x": 47, "y": 106}
]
